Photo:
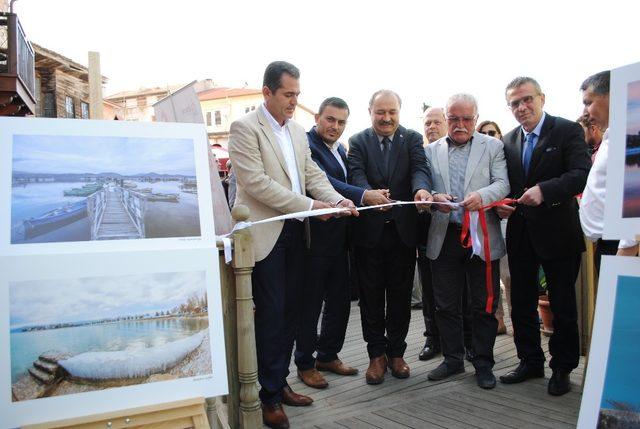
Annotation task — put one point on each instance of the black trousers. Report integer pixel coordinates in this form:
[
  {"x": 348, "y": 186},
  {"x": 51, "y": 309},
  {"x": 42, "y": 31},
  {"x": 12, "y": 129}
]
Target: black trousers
[
  {"x": 326, "y": 280},
  {"x": 604, "y": 247},
  {"x": 453, "y": 271},
  {"x": 277, "y": 292},
  {"x": 429, "y": 306},
  {"x": 561, "y": 277},
  {"x": 385, "y": 274}
]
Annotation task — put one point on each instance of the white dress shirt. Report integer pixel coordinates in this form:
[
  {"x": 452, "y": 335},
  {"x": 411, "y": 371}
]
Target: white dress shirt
[
  {"x": 593, "y": 197},
  {"x": 333, "y": 147}
]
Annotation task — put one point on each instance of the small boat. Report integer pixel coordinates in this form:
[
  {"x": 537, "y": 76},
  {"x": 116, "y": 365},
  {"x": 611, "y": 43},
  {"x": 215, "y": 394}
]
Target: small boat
[
  {"x": 55, "y": 219},
  {"x": 85, "y": 191},
  {"x": 129, "y": 185},
  {"x": 172, "y": 198}
]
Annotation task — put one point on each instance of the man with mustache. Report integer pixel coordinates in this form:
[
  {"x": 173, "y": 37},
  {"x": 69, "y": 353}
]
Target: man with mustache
[
  {"x": 467, "y": 167},
  {"x": 548, "y": 162},
  {"x": 387, "y": 156},
  {"x": 326, "y": 264}
]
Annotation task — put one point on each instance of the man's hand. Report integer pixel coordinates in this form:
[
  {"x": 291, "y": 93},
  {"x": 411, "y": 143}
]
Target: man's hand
[
  {"x": 322, "y": 205},
  {"x": 505, "y": 211},
  {"x": 472, "y": 202},
  {"x": 347, "y": 204},
  {"x": 422, "y": 196},
  {"x": 375, "y": 197},
  {"x": 532, "y": 197},
  {"x": 442, "y": 198},
  {"x": 628, "y": 251}
]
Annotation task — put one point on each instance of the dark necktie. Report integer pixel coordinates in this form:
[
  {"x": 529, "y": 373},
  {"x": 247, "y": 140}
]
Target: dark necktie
[
  {"x": 528, "y": 151},
  {"x": 385, "y": 155}
]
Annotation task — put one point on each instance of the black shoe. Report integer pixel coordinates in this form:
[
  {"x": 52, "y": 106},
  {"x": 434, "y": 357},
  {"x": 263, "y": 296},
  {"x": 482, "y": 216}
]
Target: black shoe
[
  {"x": 443, "y": 371},
  {"x": 521, "y": 373},
  {"x": 470, "y": 354},
  {"x": 559, "y": 383},
  {"x": 430, "y": 350},
  {"x": 485, "y": 378}
]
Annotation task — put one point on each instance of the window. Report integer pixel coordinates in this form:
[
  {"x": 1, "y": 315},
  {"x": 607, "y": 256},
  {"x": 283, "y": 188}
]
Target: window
[
  {"x": 85, "y": 110},
  {"x": 49, "y": 110},
  {"x": 218, "y": 118},
  {"x": 249, "y": 109},
  {"x": 208, "y": 119},
  {"x": 68, "y": 107}
]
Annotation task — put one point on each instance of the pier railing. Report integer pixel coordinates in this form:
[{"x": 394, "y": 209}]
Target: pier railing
[
  {"x": 134, "y": 204},
  {"x": 96, "y": 204}
]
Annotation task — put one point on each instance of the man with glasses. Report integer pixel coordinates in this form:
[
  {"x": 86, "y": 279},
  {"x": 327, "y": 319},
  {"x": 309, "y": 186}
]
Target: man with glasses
[
  {"x": 548, "y": 162},
  {"x": 467, "y": 167}
]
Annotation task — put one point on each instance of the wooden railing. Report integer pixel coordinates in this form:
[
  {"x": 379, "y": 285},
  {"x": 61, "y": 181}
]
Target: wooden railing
[
  {"x": 134, "y": 204},
  {"x": 96, "y": 203},
  {"x": 242, "y": 407}
]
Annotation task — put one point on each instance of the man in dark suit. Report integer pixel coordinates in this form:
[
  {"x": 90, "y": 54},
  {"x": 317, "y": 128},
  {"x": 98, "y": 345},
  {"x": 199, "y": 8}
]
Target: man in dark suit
[
  {"x": 387, "y": 156},
  {"x": 548, "y": 163},
  {"x": 326, "y": 265}
]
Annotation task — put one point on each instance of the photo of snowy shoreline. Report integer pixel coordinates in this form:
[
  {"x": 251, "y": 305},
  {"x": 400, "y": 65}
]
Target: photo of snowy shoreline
[
  {"x": 68, "y": 188},
  {"x": 93, "y": 333}
]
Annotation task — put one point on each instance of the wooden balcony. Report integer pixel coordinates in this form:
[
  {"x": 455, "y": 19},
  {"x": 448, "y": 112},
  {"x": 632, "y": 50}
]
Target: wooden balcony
[{"x": 17, "y": 72}]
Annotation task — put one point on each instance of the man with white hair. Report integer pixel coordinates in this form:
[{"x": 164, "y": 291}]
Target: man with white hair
[{"x": 469, "y": 168}]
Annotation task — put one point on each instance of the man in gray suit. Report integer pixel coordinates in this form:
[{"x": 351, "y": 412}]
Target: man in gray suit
[{"x": 470, "y": 168}]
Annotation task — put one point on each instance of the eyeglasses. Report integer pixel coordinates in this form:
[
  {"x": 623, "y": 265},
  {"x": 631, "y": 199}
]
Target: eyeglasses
[
  {"x": 524, "y": 100},
  {"x": 466, "y": 119},
  {"x": 491, "y": 133}
]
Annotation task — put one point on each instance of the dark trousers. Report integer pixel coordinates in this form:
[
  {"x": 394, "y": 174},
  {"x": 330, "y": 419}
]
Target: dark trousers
[
  {"x": 429, "y": 306},
  {"x": 454, "y": 270},
  {"x": 385, "y": 273},
  {"x": 326, "y": 280},
  {"x": 277, "y": 286},
  {"x": 604, "y": 247},
  {"x": 561, "y": 274}
]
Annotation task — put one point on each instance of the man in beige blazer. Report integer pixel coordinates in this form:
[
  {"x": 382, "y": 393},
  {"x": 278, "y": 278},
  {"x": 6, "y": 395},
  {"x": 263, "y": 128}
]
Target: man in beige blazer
[{"x": 275, "y": 173}]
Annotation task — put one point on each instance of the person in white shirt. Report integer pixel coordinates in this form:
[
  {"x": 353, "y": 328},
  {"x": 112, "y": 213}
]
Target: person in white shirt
[{"x": 595, "y": 97}]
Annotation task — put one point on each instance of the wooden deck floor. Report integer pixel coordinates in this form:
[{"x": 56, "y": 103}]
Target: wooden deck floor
[{"x": 416, "y": 402}]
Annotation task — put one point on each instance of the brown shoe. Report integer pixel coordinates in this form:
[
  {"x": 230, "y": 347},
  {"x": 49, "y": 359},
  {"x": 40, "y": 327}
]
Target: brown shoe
[
  {"x": 273, "y": 416},
  {"x": 312, "y": 378},
  {"x": 336, "y": 367},
  {"x": 399, "y": 368},
  {"x": 376, "y": 370},
  {"x": 291, "y": 398}
]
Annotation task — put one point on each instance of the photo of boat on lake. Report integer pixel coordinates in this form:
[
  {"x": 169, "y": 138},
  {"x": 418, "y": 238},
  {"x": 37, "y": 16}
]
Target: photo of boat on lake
[
  {"x": 631, "y": 197},
  {"x": 93, "y": 333},
  {"x": 83, "y": 188}
]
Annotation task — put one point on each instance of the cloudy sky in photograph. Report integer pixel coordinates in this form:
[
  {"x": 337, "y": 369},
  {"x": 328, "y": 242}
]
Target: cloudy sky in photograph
[
  {"x": 94, "y": 298},
  {"x": 80, "y": 154},
  {"x": 425, "y": 51},
  {"x": 633, "y": 108}
]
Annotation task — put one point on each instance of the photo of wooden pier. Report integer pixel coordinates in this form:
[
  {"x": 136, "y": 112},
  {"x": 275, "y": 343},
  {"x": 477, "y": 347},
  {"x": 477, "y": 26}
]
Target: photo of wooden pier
[{"x": 62, "y": 192}]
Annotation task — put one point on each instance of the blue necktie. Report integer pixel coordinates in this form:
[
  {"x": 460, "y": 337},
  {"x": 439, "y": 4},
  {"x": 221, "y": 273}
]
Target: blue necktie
[{"x": 528, "y": 151}]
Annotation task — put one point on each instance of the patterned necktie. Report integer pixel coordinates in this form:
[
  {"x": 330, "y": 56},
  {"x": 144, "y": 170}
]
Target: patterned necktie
[
  {"x": 528, "y": 151},
  {"x": 385, "y": 155}
]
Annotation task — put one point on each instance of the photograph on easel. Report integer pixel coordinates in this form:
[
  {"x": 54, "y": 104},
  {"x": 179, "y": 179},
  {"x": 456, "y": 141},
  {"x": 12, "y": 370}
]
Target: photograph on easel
[
  {"x": 102, "y": 185},
  {"x": 622, "y": 208},
  {"x": 104, "y": 331},
  {"x": 115, "y": 331},
  {"x": 612, "y": 387}
]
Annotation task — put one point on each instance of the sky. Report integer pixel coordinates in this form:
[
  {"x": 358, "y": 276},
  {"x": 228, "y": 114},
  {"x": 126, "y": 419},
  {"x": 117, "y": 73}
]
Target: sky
[
  {"x": 425, "y": 51},
  {"x": 73, "y": 154},
  {"x": 633, "y": 108},
  {"x": 94, "y": 298}
]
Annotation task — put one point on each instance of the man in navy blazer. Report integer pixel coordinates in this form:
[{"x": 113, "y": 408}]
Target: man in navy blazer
[{"x": 326, "y": 261}]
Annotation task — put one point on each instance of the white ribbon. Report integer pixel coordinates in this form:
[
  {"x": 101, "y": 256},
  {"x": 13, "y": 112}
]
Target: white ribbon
[{"x": 318, "y": 212}]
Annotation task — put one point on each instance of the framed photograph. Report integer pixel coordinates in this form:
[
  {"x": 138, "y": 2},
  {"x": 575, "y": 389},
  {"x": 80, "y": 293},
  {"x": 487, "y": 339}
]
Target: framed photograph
[
  {"x": 622, "y": 211},
  {"x": 78, "y": 186},
  {"x": 90, "y": 333},
  {"x": 611, "y": 396}
]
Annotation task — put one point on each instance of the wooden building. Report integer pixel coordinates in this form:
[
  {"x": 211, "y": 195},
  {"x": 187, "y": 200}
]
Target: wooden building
[{"x": 61, "y": 86}]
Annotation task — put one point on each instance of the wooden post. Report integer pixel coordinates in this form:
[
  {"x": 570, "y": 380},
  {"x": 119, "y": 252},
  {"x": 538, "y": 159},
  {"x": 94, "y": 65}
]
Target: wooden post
[
  {"x": 243, "y": 263},
  {"x": 95, "y": 86}
]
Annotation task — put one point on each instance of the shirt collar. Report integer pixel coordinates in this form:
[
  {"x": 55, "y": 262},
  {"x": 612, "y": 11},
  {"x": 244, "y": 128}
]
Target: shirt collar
[
  {"x": 451, "y": 142},
  {"x": 380, "y": 138},
  {"x": 274, "y": 124},
  {"x": 538, "y": 127}
]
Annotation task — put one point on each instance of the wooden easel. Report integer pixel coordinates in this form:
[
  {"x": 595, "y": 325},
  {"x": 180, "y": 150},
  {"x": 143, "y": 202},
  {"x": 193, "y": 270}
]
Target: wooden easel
[{"x": 190, "y": 413}]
